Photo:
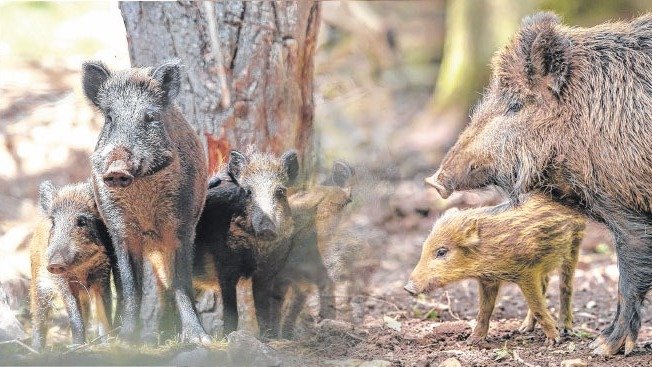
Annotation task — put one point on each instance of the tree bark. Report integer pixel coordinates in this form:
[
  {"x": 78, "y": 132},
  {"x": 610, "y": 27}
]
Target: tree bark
[{"x": 249, "y": 69}]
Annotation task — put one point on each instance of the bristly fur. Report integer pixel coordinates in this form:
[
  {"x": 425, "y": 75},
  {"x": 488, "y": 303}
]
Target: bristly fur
[
  {"x": 72, "y": 232},
  {"x": 521, "y": 244},
  {"x": 152, "y": 219},
  {"x": 568, "y": 114}
]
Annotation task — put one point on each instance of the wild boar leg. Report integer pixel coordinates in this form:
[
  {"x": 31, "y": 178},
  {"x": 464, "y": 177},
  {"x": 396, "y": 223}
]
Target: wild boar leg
[
  {"x": 74, "y": 313},
  {"x": 297, "y": 300},
  {"x": 98, "y": 294},
  {"x": 279, "y": 292},
  {"x": 40, "y": 309},
  {"x": 565, "y": 323},
  {"x": 326, "y": 297},
  {"x": 530, "y": 321},
  {"x": 635, "y": 280},
  {"x": 151, "y": 305},
  {"x": 488, "y": 290},
  {"x": 229, "y": 293},
  {"x": 532, "y": 291},
  {"x": 129, "y": 268},
  {"x": 261, "y": 292},
  {"x": 191, "y": 329}
]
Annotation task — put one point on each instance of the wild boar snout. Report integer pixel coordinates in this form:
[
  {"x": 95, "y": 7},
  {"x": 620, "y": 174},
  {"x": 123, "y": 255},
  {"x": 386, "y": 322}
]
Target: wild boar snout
[
  {"x": 120, "y": 168},
  {"x": 263, "y": 226},
  {"x": 118, "y": 175},
  {"x": 57, "y": 263},
  {"x": 411, "y": 288},
  {"x": 437, "y": 181}
]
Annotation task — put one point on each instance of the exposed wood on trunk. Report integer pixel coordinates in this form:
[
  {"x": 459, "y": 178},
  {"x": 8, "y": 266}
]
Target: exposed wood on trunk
[{"x": 265, "y": 62}]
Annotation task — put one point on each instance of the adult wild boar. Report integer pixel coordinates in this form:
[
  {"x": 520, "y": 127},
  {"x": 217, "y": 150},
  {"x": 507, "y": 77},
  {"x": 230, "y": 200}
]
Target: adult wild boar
[
  {"x": 149, "y": 175},
  {"x": 568, "y": 113}
]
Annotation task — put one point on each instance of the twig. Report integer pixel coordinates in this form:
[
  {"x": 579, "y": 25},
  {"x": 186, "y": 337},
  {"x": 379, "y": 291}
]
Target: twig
[
  {"x": 355, "y": 337},
  {"x": 16, "y": 341},
  {"x": 381, "y": 300},
  {"x": 86, "y": 345},
  {"x": 209, "y": 7},
  {"x": 518, "y": 358},
  {"x": 450, "y": 309}
]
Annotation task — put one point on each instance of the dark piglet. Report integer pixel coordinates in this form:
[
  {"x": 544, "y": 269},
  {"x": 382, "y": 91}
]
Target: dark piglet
[
  {"x": 261, "y": 224},
  {"x": 567, "y": 113},
  {"x": 70, "y": 254},
  {"x": 149, "y": 175}
]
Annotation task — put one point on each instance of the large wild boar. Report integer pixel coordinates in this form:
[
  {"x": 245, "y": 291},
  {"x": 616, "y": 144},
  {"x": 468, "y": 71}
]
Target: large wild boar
[
  {"x": 568, "y": 113},
  {"x": 253, "y": 196},
  {"x": 149, "y": 175},
  {"x": 505, "y": 244},
  {"x": 315, "y": 257},
  {"x": 70, "y": 254}
]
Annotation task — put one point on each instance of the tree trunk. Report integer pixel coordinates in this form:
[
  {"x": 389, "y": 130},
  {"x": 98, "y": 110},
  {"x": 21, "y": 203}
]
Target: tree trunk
[{"x": 249, "y": 69}]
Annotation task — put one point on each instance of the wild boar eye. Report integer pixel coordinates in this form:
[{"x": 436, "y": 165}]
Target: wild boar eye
[
  {"x": 151, "y": 116},
  {"x": 82, "y": 222},
  {"x": 108, "y": 118},
  {"x": 247, "y": 192},
  {"x": 281, "y": 192},
  {"x": 514, "y": 106},
  {"x": 441, "y": 252}
]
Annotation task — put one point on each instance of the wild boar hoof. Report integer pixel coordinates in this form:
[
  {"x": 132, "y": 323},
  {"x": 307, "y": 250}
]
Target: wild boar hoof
[
  {"x": 565, "y": 331},
  {"x": 127, "y": 334},
  {"x": 475, "y": 341},
  {"x": 526, "y": 327},
  {"x": 196, "y": 336},
  {"x": 605, "y": 348},
  {"x": 551, "y": 342}
]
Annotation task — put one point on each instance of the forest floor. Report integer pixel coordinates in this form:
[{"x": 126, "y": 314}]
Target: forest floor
[{"x": 47, "y": 131}]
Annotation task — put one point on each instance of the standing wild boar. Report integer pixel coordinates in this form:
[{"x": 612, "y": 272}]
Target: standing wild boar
[
  {"x": 568, "y": 113},
  {"x": 70, "y": 254},
  {"x": 314, "y": 258},
  {"x": 258, "y": 242},
  {"x": 505, "y": 244},
  {"x": 149, "y": 174}
]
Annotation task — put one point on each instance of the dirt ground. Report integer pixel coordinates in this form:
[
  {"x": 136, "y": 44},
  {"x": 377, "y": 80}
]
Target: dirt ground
[{"x": 47, "y": 132}]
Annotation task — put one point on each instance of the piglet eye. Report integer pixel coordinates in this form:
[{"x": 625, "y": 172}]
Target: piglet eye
[
  {"x": 514, "y": 106},
  {"x": 82, "y": 222},
  {"x": 441, "y": 252},
  {"x": 281, "y": 192}
]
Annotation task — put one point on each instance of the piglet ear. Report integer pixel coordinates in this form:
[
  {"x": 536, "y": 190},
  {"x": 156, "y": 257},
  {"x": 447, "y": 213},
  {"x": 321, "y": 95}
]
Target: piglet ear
[
  {"x": 472, "y": 232},
  {"x": 168, "y": 75},
  {"x": 342, "y": 174},
  {"x": 45, "y": 196},
  {"x": 237, "y": 161},
  {"x": 94, "y": 74},
  {"x": 290, "y": 162}
]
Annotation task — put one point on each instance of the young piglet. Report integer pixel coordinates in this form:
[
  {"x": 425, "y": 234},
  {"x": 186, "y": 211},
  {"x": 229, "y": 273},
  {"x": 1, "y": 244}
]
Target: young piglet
[
  {"x": 70, "y": 254},
  {"x": 498, "y": 244}
]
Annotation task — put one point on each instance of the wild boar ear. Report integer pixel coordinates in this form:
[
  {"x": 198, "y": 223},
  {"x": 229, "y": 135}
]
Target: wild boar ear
[
  {"x": 472, "y": 232},
  {"x": 45, "y": 196},
  {"x": 342, "y": 174},
  {"x": 547, "y": 51},
  {"x": 168, "y": 74},
  {"x": 94, "y": 74},
  {"x": 237, "y": 161},
  {"x": 290, "y": 162}
]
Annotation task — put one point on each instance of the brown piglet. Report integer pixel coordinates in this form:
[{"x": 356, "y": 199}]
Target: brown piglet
[
  {"x": 70, "y": 254},
  {"x": 503, "y": 243}
]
